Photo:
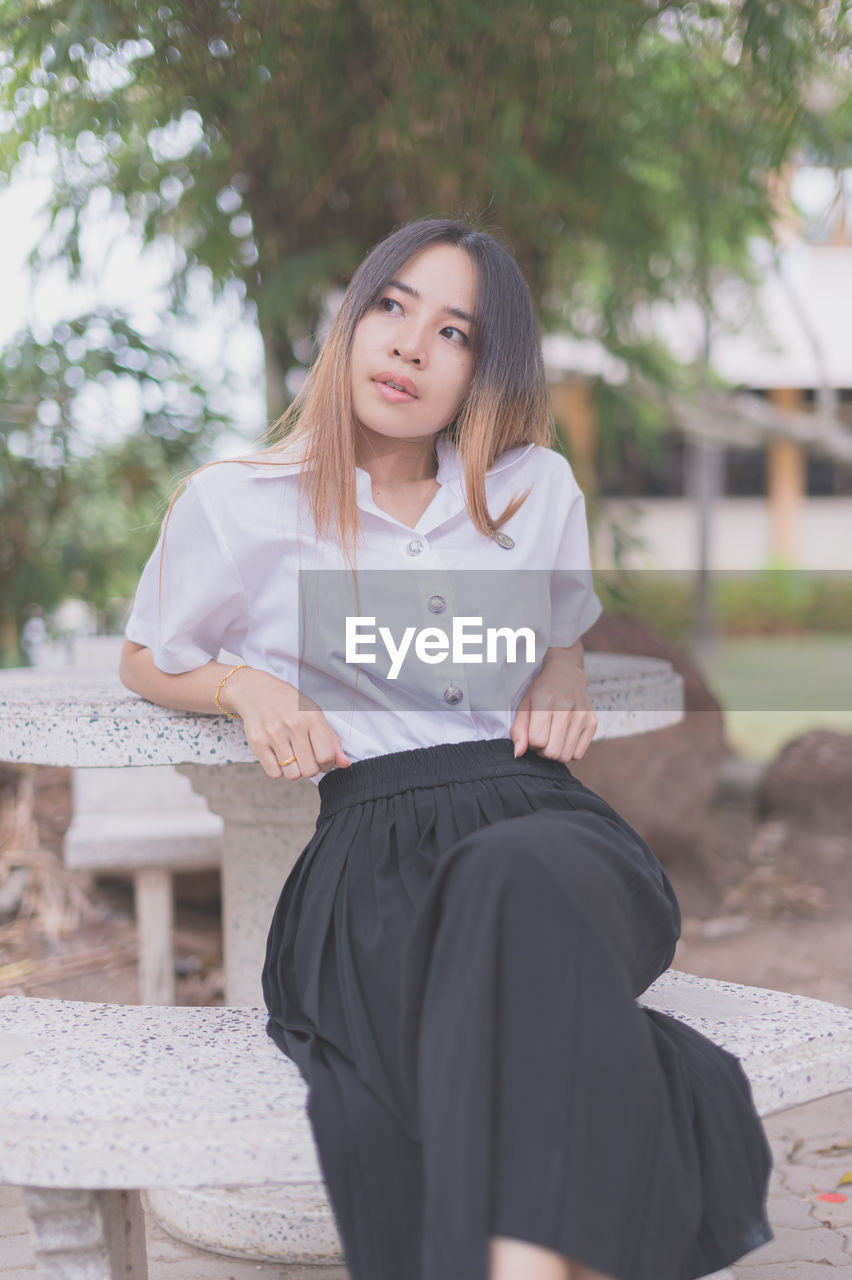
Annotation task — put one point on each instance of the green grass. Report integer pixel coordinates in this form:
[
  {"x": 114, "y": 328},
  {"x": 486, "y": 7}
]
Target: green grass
[
  {"x": 774, "y": 601},
  {"x": 774, "y": 688}
]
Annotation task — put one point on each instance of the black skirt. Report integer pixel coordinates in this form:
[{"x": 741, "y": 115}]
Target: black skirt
[{"x": 453, "y": 964}]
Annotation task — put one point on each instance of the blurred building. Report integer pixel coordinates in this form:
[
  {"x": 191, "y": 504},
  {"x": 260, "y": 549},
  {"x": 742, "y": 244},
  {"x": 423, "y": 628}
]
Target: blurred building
[{"x": 744, "y": 480}]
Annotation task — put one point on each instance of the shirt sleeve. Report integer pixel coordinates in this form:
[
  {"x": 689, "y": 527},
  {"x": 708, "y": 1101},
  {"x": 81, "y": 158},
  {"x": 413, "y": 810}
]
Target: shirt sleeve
[
  {"x": 190, "y": 601},
  {"x": 574, "y": 606}
]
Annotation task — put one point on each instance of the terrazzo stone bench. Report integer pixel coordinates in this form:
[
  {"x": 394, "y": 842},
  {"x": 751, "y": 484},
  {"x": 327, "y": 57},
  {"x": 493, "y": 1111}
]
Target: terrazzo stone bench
[{"x": 101, "y": 1100}]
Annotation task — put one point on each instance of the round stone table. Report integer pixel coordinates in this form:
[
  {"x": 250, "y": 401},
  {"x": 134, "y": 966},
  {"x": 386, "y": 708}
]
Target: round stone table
[{"x": 86, "y": 718}]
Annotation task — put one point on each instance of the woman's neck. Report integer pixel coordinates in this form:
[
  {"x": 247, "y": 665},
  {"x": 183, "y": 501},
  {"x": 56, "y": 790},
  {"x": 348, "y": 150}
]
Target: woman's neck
[{"x": 396, "y": 462}]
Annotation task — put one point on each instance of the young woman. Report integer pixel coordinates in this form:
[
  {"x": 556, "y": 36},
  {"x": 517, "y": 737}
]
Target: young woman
[{"x": 454, "y": 961}]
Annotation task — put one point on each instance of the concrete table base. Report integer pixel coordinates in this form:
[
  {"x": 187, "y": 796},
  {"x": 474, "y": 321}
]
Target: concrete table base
[
  {"x": 267, "y": 823},
  {"x": 91, "y": 1235},
  {"x": 292, "y": 1223}
]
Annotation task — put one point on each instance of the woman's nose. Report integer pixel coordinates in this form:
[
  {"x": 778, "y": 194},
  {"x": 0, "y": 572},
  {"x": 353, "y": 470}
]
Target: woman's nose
[{"x": 410, "y": 346}]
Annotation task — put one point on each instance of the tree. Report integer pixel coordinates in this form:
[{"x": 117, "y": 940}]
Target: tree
[
  {"x": 622, "y": 150},
  {"x": 80, "y": 520}
]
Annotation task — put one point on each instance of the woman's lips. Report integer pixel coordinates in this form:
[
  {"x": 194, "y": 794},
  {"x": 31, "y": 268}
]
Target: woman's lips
[{"x": 400, "y": 393}]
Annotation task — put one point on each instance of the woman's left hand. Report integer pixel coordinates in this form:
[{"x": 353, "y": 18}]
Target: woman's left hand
[{"x": 555, "y": 715}]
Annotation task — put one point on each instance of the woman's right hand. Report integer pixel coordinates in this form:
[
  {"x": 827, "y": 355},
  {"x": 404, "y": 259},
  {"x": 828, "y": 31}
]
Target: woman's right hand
[{"x": 280, "y": 722}]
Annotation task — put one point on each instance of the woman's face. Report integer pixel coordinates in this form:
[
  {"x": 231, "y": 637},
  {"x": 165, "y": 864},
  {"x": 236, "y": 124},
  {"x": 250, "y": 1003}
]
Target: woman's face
[{"x": 412, "y": 356}]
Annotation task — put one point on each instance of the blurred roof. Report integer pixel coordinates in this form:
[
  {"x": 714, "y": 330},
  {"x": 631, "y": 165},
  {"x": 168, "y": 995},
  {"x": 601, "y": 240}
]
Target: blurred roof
[{"x": 795, "y": 330}]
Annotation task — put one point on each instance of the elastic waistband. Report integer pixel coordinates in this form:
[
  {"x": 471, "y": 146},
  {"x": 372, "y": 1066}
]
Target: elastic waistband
[{"x": 429, "y": 767}]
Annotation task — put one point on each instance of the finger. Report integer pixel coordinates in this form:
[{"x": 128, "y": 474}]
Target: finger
[
  {"x": 519, "y": 732},
  {"x": 305, "y": 756},
  {"x": 281, "y": 752},
  {"x": 578, "y": 737},
  {"x": 586, "y": 737},
  {"x": 572, "y": 738},
  {"x": 267, "y": 758},
  {"x": 270, "y": 757},
  {"x": 325, "y": 744},
  {"x": 539, "y": 728},
  {"x": 554, "y": 748}
]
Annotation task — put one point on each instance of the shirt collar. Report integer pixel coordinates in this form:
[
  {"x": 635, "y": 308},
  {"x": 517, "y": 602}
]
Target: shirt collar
[
  {"x": 278, "y": 462},
  {"x": 450, "y": 466}
]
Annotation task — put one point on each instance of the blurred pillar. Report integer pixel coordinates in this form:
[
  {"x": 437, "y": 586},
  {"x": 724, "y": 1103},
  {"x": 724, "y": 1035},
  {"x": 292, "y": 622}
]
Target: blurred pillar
[
  {"x": 8, "y": 642},
  {"x": 704, "y": 481},
  {"x": 786, "y": 481},
  {"x": 577, "y": 424},
  {"x": 276, "y": 387}
]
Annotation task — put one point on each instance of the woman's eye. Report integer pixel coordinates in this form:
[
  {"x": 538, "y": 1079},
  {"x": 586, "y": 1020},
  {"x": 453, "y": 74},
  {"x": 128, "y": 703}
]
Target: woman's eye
[
  {"x": 388, "y": 304},
  {"x": 456, "y": 335}
]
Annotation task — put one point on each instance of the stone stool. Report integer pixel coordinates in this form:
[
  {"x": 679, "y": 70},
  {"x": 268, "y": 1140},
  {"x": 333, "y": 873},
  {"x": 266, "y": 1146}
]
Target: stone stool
[{"x": 101, "y": 1100}]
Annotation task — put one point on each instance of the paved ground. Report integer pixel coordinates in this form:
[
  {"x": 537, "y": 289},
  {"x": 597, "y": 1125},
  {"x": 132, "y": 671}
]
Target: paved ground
[{"x": 812, "y": 1146}]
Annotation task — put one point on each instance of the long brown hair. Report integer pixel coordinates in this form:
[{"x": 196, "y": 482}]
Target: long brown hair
[{"x": 505, "y": 406}]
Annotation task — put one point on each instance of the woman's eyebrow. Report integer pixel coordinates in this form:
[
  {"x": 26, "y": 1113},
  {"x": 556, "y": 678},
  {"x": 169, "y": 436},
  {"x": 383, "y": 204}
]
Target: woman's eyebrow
[{"x": 450, "y": 311}]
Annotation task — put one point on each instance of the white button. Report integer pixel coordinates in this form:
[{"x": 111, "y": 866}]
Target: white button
[
  {"x": 437, "y": 604},
  {"x": 453, "y": 694},
  {"x": 503, "y": 540},
  {"x": 414, "y": 547}
]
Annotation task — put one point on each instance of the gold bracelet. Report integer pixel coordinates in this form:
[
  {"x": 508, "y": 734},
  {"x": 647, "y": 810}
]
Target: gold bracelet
[{"x": 224, "y": 710}]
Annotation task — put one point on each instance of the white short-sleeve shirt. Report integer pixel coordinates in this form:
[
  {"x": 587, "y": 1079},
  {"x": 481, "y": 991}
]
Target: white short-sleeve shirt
[{"x": 243, "y": 568}]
